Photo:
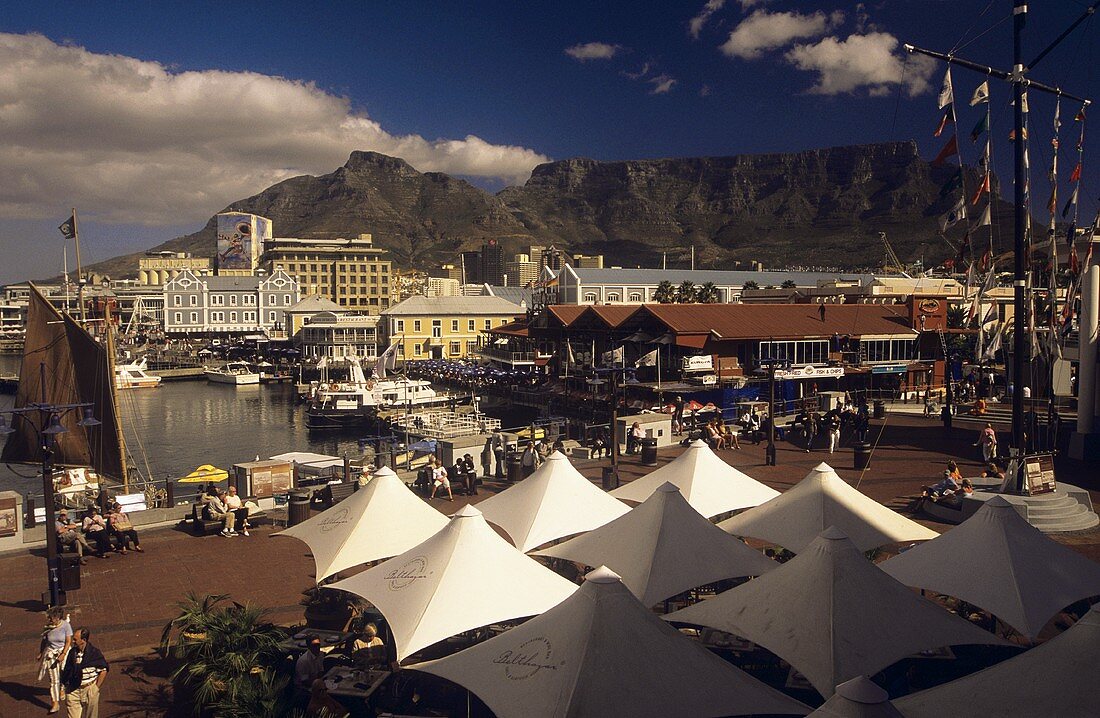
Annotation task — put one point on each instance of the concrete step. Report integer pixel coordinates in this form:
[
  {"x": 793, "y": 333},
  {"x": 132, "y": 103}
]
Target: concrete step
[
  {"x": 1081, "y": 522},
  {"x": 1052, "y": 509}
]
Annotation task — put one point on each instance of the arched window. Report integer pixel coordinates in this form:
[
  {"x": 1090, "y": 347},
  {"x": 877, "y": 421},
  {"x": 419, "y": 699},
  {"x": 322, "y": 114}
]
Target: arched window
[{"x": 636, "y": 297}]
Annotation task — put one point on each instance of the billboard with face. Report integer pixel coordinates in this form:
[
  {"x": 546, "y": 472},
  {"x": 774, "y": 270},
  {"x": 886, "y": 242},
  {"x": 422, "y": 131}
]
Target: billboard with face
[{"x": 238, "y": 246}]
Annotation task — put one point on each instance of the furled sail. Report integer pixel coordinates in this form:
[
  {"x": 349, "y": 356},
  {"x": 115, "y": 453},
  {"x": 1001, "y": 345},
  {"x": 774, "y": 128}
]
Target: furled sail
[{"x": 94, "y": 374}]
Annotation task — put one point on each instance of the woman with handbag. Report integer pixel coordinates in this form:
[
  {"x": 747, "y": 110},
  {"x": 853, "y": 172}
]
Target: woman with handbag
[{"x": 57, "y": 639}]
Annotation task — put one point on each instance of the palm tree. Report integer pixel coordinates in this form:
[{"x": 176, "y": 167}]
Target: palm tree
[
  {"x": 708, "y": 293},
  {"x": 750, "y": 285},
  {"x": 788, "y": 284},
  {"x": 685, "y": 293},
  {"x": 665, "y": 293}
]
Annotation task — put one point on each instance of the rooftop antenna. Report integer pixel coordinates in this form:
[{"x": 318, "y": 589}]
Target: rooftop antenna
[{"x": 693, "y": 257}]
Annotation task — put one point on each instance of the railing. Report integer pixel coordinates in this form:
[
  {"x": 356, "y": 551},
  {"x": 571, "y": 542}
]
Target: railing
[{"x": 508, "y": 356}]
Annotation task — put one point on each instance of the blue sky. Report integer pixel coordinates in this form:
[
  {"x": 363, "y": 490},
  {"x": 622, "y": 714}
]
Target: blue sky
[{"x": 150, "y": 117}]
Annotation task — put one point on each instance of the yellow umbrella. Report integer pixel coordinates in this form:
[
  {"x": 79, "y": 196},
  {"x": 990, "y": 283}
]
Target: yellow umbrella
[{"x": 204, "y": 474}]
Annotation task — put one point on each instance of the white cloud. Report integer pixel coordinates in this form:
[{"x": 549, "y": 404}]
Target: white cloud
[
  {"x": 593, "y": 51},
  {"x": 862, "y": 62},
  {"x": 763, "y": 30},
  {"x": 695, "y": 25},
  {"x": 128, "y": 140},
  {"x": 661, "y": 84}
]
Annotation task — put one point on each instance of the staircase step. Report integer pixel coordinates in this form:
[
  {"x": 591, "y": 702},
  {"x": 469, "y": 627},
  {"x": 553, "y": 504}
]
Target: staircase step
[{"x": 1081, "y": 522}]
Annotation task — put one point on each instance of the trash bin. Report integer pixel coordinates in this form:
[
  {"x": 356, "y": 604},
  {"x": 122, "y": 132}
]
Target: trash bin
[
  {"x": 862, "y": 456},
  {"x": 880, "y": 409},
  {"x": 515, "y": 467},
  {"x": 70, "y": 573},
  {"x": 298, "y": 511},
  {"x": 649, "y": 452},
  {"x": 609, "y": 479}
]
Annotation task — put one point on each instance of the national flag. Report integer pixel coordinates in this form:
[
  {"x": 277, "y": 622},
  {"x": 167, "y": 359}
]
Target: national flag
[
  {"x": 615, "y": 356},
  {"x": 995, "y": 345},
  {"x": 943, "y": 123},
  {"x": 569, "y": 357},
  {"x": 1074, "y": 261},
  {"x": 987, "y": 258},
  {"x": 1012, "y": 134},
  {"x": 951, "y": 148},
  {"x": 1076, "y": 174},
  {"x": 964, "y": 245},
  {"x": 68, "y": 227},
  {"x": 983, "y": 187},
  {"x": 649, "y": 359},
  {"x": 1071, "y": 233},
  {"x": 1052, "y": 203},
  {"x": 981, "y": 94},
  {"x": 1052, "y": 175},
  {"x": 387, "y": 361},
  {"x": 983, "y": 159},
  {"x": 947, "y": 95},
  {"x": 952, "y": 184},
  {"x": 986, "y": 219},
  {"x": 1080, "y": 116},
  {"x": 1057, "y": 120},
  {"x": 953, "y": 216},
  {"x": 1072, "y": 201},
  {"x": 982, "y": 126}
]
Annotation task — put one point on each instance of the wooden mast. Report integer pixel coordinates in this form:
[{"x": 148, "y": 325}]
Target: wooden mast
[{"x": 110, "y": 344}]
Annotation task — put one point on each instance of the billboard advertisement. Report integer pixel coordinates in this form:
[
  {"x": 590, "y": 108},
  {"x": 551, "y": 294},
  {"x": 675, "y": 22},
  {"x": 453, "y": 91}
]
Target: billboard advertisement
[{"x": 239, "y": 244}]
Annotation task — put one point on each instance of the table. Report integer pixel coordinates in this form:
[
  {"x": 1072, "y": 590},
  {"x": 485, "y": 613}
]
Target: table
[
  {"x": 299, "y": 642},
  {"x": 346, "y": 682}
]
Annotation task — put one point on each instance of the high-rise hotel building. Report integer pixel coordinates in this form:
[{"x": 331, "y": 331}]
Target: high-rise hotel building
[{"x": 350, "y": 272}]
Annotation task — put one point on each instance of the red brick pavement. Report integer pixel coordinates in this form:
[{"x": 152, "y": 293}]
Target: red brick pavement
[{"x": 127, "y": 600}]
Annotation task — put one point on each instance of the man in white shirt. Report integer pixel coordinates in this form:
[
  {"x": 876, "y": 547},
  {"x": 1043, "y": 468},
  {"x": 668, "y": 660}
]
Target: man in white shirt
[
  {"x": 310, "y": 666},
  {"x": 236, "y": 508}
]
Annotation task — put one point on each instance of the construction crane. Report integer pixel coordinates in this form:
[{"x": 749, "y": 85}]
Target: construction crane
[{"x": 892, "y": 257}]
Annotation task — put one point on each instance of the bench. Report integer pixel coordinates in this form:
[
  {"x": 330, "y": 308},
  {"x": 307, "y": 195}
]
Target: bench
[
  {"x": 333, "y": 494},
  {"x": 202, "y": 527}
]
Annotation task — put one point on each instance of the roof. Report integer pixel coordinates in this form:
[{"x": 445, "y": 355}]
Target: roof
[
  {"x": 1000, "y": 562},
  {"x": 512, "y": 329},
  {"x": 710, "y": 485},
  {"x": 567, "y": 313},
  {"x": 512, "y": 294},
  {"x": 833, "y": 615},
  {"x": 420, "y": 305},
  {"x": 752, "y": 321},
  {"x": 720, "y": 277},
  {"x": 815, "y": 503},
  {"x": 314, "y": 303},
  {"x": 602, "y": 653},
  {"x": 226, "y": 284},
  {"x": 662, "y": 548},
  {"x": 379, "y": 521},
  {"x": 439, "y": 588}
]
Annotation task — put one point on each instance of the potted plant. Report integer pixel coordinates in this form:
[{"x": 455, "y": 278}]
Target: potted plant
[{"x": 328, "y": 609}]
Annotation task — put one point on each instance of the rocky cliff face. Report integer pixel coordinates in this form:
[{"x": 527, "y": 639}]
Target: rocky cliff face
[{"x": 821, "y": 207}]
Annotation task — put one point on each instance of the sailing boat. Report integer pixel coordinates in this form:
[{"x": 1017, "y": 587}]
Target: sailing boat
[{"x": 64, "y": 364}]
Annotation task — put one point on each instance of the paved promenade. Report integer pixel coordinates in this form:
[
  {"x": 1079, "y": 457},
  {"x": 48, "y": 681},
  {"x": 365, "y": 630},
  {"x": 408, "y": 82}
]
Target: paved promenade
[{"x": 126, "y": 600}]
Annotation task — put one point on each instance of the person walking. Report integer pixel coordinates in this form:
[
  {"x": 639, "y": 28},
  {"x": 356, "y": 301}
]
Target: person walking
[
  {"x": 811, "y": 431},
  {"x": 530, "y": 460},
  {"x": 487, "y": 458},
  {"x": 834, "y": 433},
  {"x": 57, "y": 639},
  {"x": 499, "y": 452},
  {"x": 678, "y": 415},
  {"x": 83, "y": 676},
  {"x": 988, "y": 441}
]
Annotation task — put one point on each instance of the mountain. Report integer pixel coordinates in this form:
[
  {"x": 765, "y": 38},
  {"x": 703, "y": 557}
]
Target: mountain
[{"x": 817, "y": 207}]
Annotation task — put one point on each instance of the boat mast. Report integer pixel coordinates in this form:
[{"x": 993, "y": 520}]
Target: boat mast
[
  {"x": 79, "y": 274},
  {"x": 110, "y": 344}
]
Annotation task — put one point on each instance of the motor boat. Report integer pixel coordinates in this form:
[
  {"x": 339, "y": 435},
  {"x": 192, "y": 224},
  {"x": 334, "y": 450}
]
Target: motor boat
[
  {"x": 135, "y": 375},
  {"x": 237, "y": 373}
]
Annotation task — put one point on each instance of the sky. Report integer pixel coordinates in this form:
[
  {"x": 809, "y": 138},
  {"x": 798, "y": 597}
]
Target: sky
[{"x": 151, "y": 117}]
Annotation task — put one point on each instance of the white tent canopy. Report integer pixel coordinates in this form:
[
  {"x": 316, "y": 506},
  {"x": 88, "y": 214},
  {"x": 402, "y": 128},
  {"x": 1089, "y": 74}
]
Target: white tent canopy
[
  {"x": 710, "y": 485},
  {"x": 819, "y": 501},
  {"x": 1049, "y": 680},
  {"x": 463, "y": 577},
  {"x": 553, "y": 502},
  {"x": 858, "y": 698},
  {"x": 662, "y": 548},
  {"x": 380, "y": 520},
  {"x": 833, "y": 615},
  {"x": 1000, "y": 562},
  {"x": 602, "y": 653}
]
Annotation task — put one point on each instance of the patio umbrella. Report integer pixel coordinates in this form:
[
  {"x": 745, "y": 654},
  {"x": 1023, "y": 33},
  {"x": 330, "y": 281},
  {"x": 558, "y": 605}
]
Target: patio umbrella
[
  {"x": 601, "y": 652},
  {"x": 662, "y": 548},
  {"x": 205, "y": 474},
  {"x": 822, "y": 499},
  {"x": 833, "y": 615},
  {"x": 858, "y": 698},
  {"x": 1000, "y": 562},
  {"x": 463, "y": 577},
  {"x": 380, "y": 520}
]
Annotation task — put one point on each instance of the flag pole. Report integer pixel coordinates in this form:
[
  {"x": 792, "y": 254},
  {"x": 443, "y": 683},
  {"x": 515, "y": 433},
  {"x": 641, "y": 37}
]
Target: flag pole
[{"x": 79, "y": 271}]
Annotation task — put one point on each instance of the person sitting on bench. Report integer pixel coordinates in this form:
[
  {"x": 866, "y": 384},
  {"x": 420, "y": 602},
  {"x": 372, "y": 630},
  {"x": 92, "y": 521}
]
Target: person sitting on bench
[
  {"x": 236, "y": 506},
  {"x": 95, "y": 529},
  {"x": 67, "y": 535},
  {"x": 467, "y": 474},
  {"x": 123, "y": 529},
  {"x": 216, "y": 509}
]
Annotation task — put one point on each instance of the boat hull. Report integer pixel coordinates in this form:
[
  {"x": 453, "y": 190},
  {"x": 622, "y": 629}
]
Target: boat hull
[
  {"x": 335, "y": 419},
  {"x": 233, "y": 379}
]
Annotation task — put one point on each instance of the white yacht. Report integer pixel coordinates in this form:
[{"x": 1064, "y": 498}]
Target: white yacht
[
  {"x": 358, "y": 399},
  {"x": 235, "y": 372},
  {"x": 135, "y": 375}
]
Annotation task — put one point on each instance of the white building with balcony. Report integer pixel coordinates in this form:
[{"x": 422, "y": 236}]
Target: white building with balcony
[{"x": 208, "y": 305}]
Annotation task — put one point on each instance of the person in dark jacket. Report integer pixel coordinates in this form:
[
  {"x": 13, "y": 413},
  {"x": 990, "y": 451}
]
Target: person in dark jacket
[{"x": 83, "y": 676}]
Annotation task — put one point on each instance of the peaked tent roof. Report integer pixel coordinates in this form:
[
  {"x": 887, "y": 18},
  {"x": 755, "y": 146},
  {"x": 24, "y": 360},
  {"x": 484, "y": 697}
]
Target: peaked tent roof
[
  {"x": 1048, "y": 680},
  {"x": 819, "y": 501},
  {"x": 593, "y": 655},
  {"x": 463, "y": 577},
  {"x": 858, "y": 698},
  {"x": 379, "y": 520},
  {"x": 553, "y": 502},
  {"x": 710, "y": 485},
  {"x": 997, "y": 560},
  {"x": 662, "y": 548},
  {"x": 833, "y": 615}
]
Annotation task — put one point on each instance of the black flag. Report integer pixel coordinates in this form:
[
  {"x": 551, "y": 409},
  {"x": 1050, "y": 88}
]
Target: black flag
[{"x": 68, "y": 227}]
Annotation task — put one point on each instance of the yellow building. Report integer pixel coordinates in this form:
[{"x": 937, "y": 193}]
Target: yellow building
[
  {"x": 350, "y": 272},
  {"x": 157, "y": 268},
  {"x": 444, "y": 327}
]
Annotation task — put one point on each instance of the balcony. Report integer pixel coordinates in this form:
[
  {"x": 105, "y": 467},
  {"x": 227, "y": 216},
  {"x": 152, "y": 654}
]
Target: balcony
[{"x": 506, "y": 356}]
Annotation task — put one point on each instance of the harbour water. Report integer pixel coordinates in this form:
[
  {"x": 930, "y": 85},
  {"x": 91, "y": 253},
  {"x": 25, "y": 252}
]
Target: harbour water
[{"x": 182, "y": 425}]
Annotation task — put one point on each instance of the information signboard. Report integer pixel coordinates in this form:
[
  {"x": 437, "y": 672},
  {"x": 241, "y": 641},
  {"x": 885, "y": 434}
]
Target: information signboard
[
  {"x": 1039, "y": 474},
  {"x": 810, "y": 372}
]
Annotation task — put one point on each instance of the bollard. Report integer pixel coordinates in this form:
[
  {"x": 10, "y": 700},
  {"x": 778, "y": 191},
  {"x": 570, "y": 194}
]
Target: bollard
[
  {"x": 649, "y": 451},
  {"x": 515, "y": 467},
  {"x": 170, "y": 494},
  {"x": 609, "y": 478},
  {"x": 298, "y": 510},
  {"x": 879, "y": 409},
  {"x": 861, "y": 456},
  {"x": 30, "y": 521}
]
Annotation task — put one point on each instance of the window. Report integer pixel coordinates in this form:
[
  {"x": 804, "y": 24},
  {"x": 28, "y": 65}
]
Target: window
[
  {"x": 455, "y": 349},
  {"x": 399, "y": 325},
  {"x": 454, "y": 326},
  {"x": 193, "y": 300},
  {"x": 488, "y": 324},
  {"x": 232, "y": 317},
  {"x": 613, "y": 297},
  {"x": 194, "y": 317},
  {"x": 286, "y": 300},
  {"x": 217, "y": 317},
  {"x": 178, "y": 318},
  {"x": 470, "y": 325},
  {"x": 437, "y": 328},
  {"x": 217, "y": 300},
  {"x": 250, "y": 316},
  {"x": 271, "y": 316},
  {"x": 401, "y": 350},
  {"x": 177, "y": 301},
  {"x": 416, "y": 325},
  {"x": 636, "y": 297},
  {"x": 590, "y": 297},
  {"x": 250, "y": 299},
  {"x": 416, "y": 349},
  {"x": 232, "y": 300},
  {"x": 798, "y": 353}
]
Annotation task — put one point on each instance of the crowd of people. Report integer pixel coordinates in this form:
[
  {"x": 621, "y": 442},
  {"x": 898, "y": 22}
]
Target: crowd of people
[{"x": 97, "y": 534}]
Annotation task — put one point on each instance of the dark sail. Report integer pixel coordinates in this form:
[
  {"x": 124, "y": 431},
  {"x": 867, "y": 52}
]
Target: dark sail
[
  {"x": 46, "y": 353},
  {"x": 94, "y": 374}
]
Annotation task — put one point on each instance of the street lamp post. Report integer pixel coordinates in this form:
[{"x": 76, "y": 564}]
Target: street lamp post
[{"x": 47, "y": 429}]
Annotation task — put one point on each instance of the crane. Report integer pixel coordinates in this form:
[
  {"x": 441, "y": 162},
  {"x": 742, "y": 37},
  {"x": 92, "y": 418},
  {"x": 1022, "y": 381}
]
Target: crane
[{"x": 891, "y": 256}]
